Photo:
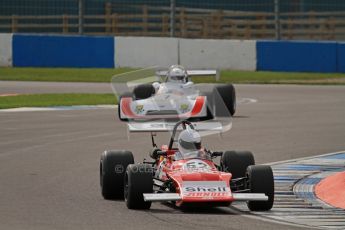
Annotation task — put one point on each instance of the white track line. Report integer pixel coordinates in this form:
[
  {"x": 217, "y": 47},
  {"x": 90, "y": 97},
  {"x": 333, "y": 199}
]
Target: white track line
[
  {"x": 296, "y": 204},
  {"x": 244, "y": 101},
  {"x": 58, "y": 108},
  {"x": 89, "y": 107},
  {"x": 303, "y": 158}
]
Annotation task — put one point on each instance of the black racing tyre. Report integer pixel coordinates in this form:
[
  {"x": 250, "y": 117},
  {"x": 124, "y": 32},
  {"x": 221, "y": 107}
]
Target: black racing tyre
[
  {"x": 236, "y": 162},
  {"x": 127, "y": 94},
  {"x": 260, "y": 178},
  {"x": 143, "y": 91},
  {"x": 227, "y": 94},
  {"x": 138, "y": 180},
  {"x": 113, "y": 165}
]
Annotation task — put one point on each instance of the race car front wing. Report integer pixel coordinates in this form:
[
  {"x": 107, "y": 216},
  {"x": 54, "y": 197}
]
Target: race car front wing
[{"x": 161, "y": 197}]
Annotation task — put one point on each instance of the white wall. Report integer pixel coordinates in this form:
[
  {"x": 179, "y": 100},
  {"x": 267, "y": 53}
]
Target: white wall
[
  {"x": 5, "y": 49},
  {"x": 192, "y": 53},
  {"x": 145, "y": 51},
  {"x": 218, "y": 54}
]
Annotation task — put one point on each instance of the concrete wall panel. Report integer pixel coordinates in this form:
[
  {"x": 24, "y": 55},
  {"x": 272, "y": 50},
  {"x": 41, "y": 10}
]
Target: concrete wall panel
[
  {"x": 145, "y": 51},
  {"x": 218, "y": 54},
  {"x": 5, "y": 50}
]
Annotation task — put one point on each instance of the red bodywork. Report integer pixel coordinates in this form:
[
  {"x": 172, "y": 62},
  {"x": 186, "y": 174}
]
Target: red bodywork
[{"x": 195, "y": 171}]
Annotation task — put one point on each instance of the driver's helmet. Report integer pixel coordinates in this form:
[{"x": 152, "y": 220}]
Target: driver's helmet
[
  {"x": 177, "y": 74},
  {"x": 189, "y": 141}
]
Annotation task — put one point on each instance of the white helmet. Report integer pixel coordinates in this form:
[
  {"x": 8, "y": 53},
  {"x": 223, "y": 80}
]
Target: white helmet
[
  {"x": 178, "y": 74},
  {"x": 189, "y": 141}
]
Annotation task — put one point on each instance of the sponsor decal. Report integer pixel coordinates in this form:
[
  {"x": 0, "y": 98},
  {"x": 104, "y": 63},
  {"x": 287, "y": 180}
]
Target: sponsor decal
[
  {"x": 196, "y": 165},
  {"x": 159, "y": 126},
  {"x": 207, "y": 195},
  {"x": 184, "y": 108},
  {"x": 205, "y": 189},
  {"x": 139, "y": 108}
]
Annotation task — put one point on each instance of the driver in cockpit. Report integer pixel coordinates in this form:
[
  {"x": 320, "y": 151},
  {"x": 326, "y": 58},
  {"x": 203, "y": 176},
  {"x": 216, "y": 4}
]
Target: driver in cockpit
[
  {"x": 189, "y": 145},
  {"x": 176, "y": 81}
]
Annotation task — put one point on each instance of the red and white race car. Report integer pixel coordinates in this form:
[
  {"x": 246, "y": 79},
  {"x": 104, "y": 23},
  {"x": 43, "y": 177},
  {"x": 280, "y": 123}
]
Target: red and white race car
[
  {"x": 186, "y": 179},
  {"x": 177, "y": 97}
]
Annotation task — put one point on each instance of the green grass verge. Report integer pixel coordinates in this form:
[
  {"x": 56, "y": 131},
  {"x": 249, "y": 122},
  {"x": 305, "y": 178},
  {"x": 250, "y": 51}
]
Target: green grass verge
[
  {"x": 46, "y": 100},
  {"x": 269, "y": 76},
  {"x": 60, "y": 74},
  {"x": 104, "y": 75},
  {"x": 264, "y": 77}
]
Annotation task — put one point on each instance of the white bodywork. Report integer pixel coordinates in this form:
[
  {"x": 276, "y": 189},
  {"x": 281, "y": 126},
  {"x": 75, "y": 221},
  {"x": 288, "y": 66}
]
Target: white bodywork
[{"x": 170, "y": 100}]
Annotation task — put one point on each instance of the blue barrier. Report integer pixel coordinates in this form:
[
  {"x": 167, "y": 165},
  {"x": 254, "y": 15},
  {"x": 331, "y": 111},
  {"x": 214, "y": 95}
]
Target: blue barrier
[
  {"x": 341, "y": 57},
  {"x": 63, "y": 51},
  {"x": 297, "y": 56}
]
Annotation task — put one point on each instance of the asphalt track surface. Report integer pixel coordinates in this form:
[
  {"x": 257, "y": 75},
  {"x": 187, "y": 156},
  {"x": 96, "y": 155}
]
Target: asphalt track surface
[{"x": 49, "y": 160}]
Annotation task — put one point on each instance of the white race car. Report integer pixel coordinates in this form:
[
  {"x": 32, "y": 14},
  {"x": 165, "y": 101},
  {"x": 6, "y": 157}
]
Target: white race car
[{"x": 178, "y": 98}]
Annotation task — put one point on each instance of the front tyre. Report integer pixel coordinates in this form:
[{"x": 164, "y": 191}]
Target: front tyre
[
  {"x": 227, "y": 94},
  {"x": 236, "y": 162},
  {"x": 260, "y": 179},
  {"x": 143, "y": 91},
  {"x": 112, "y": 170},
  {"x": 138, "y": 180}
]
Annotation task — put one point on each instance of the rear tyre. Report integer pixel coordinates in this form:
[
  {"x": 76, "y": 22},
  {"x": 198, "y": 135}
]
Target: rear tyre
[
  {"x": 138, "y": 180},
  {"x": 236, "y": 162},
  {"x": 260, "y": 178},
  {"x": 112, "y": 170},
  {"x": 224, "y": 95},
  {"x": 143, "y": 91}
]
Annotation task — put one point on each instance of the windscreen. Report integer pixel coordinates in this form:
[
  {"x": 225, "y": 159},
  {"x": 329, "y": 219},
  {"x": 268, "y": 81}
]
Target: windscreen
[
  {"x": 200, "y": 154},
  {"x": 159, "y": 116}
]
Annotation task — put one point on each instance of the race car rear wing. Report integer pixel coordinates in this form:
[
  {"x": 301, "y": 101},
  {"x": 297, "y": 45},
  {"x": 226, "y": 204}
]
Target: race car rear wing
[
  {"x": 137, "y": 127},
  {"x": 191, "y": 73}
]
